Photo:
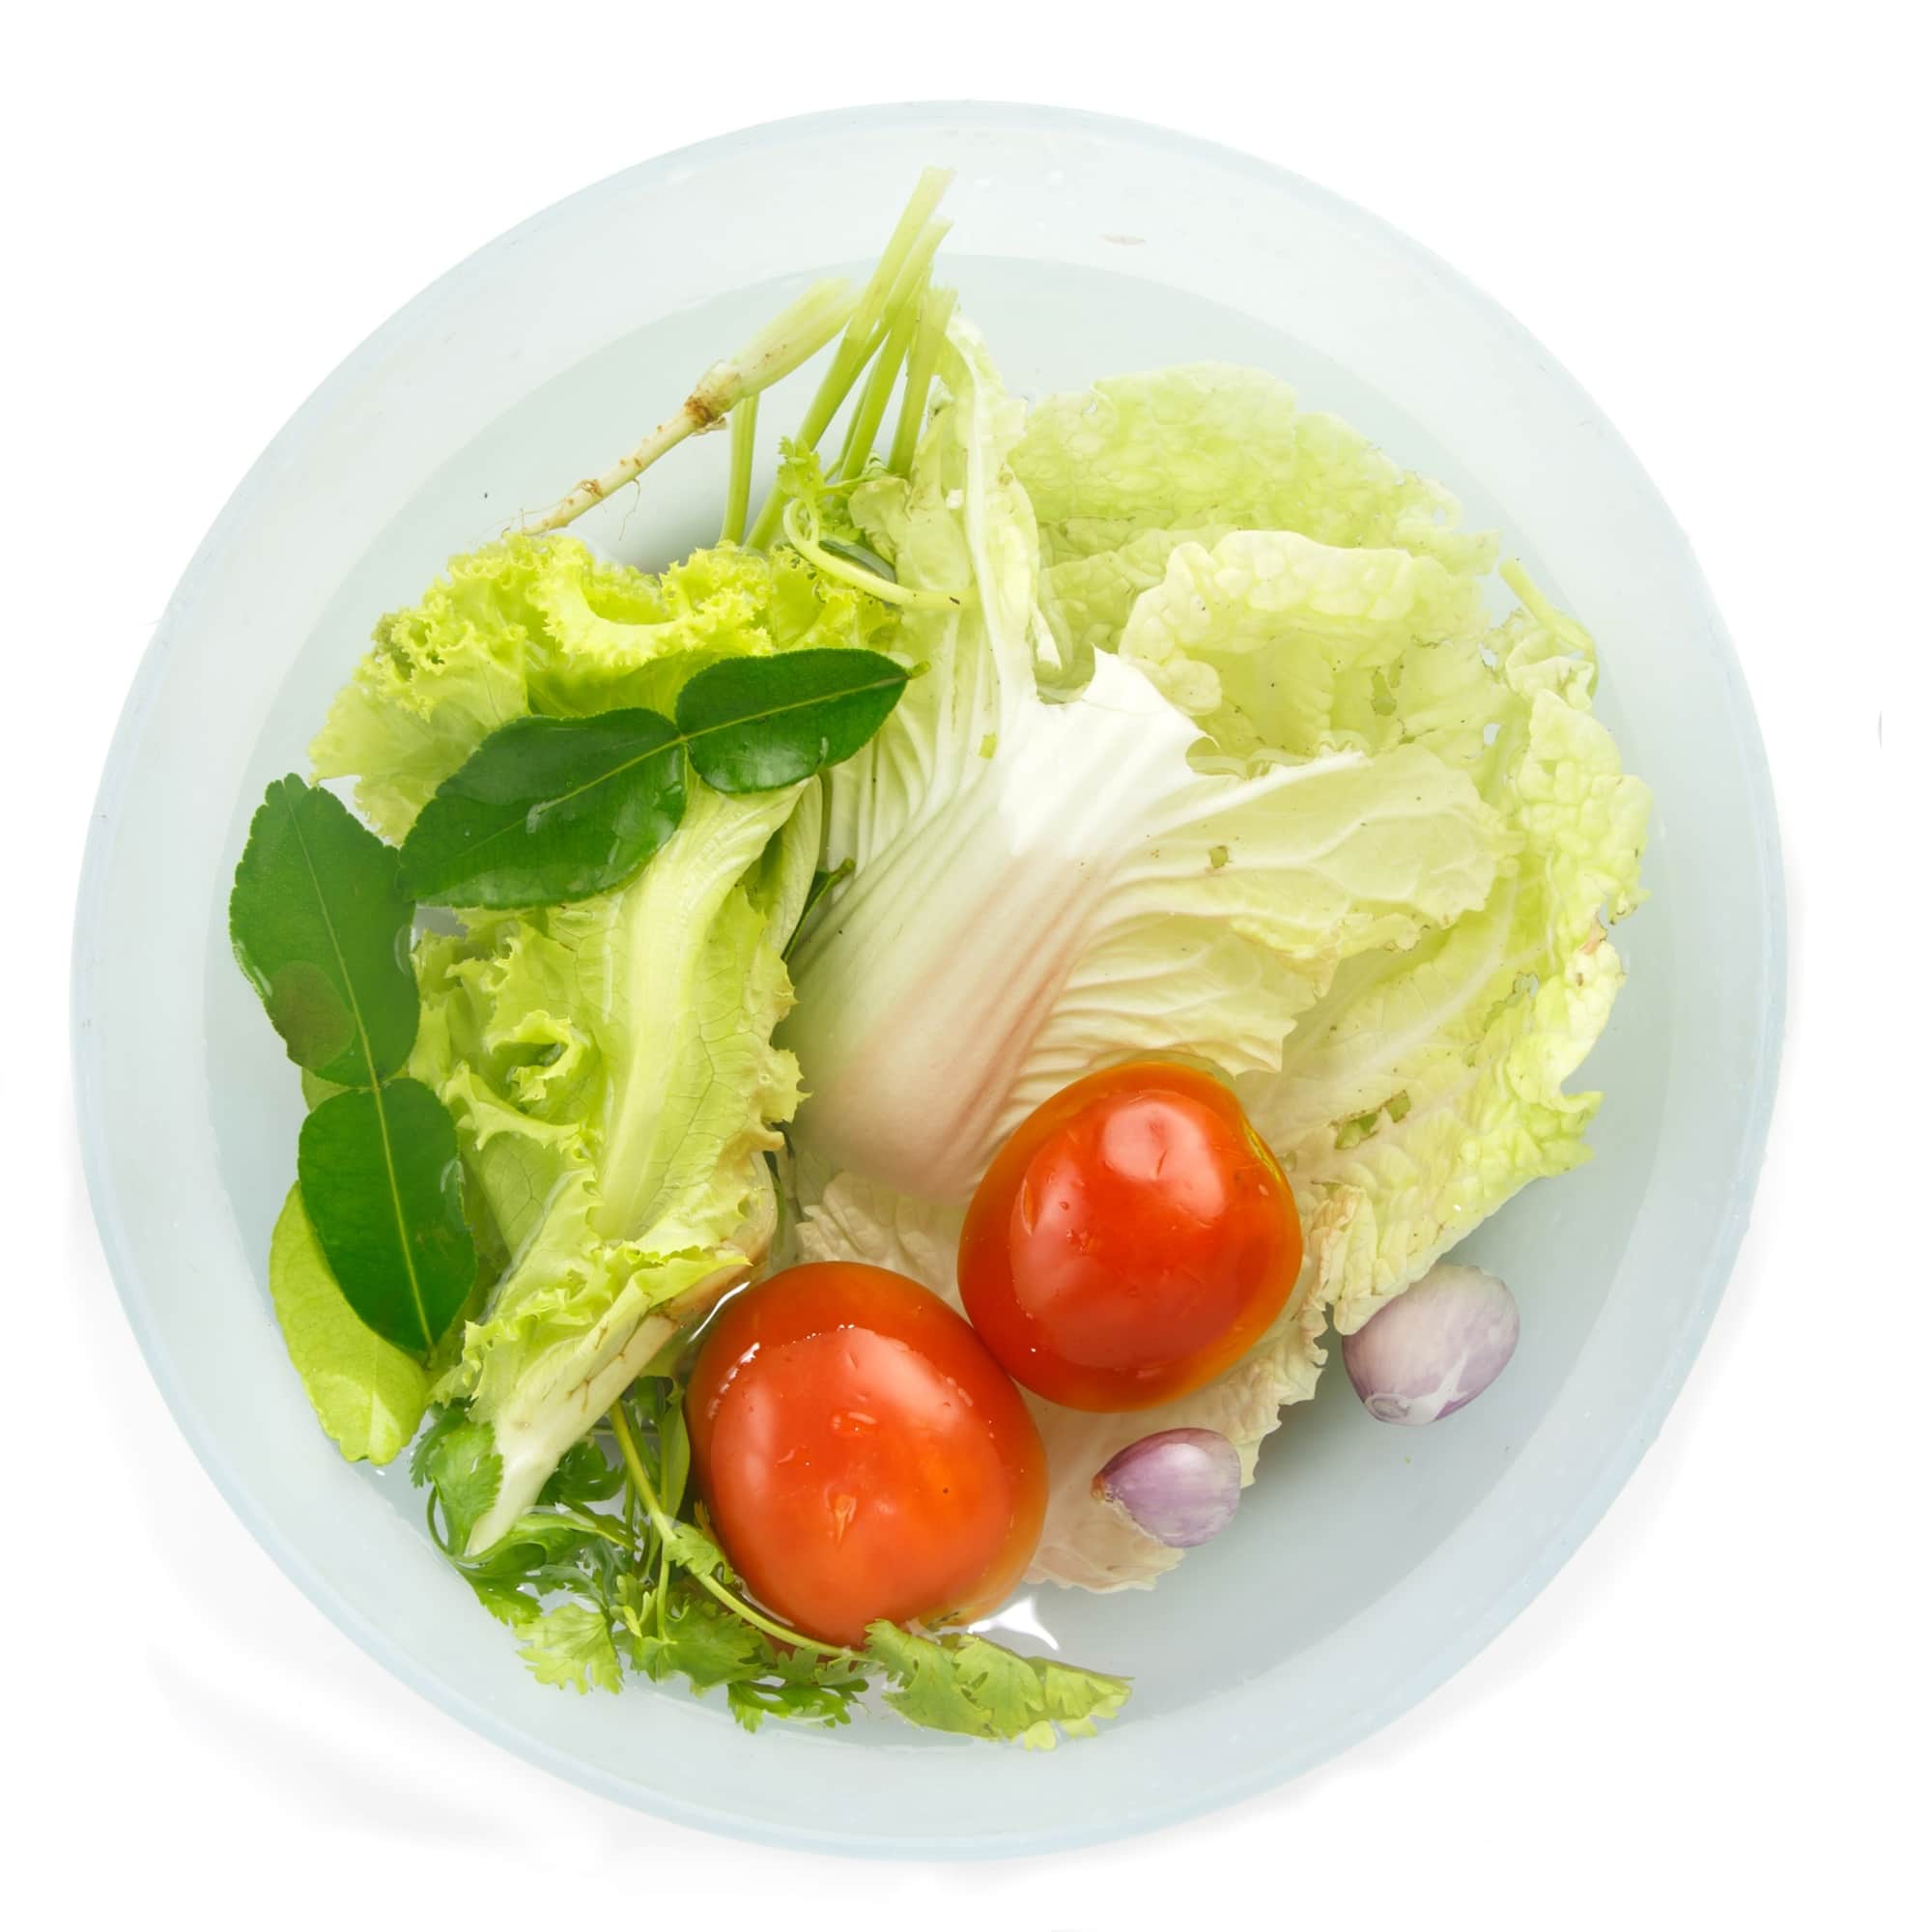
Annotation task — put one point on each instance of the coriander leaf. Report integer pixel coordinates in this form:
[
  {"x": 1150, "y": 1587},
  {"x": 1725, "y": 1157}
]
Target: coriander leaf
[
  {"x": 584, "y": 1475},
  {"x": 367, "y": 1394},
  {"x": 538, "y": 1542},
  {"x": 707, "y": 1645},
  {"x": 759, "y": 723},
  {"x": 754, "y": 1700},
  {"x": 320, "y": 925},
  {"x": 966, "y": 1684},
  {"x": 507, "y": 1603},
  {"x": 690, "y": 1550},
  {"x": 382, "y": 1185},
  {"x": 801, "y": 476},
  {"x": 429, "y": 1445},
  {"x": 631, "y": 1603},
  {"x": 548, "y": 809},
  {"x": 458, "y": 1460},
  {"x": 703, "y": 1641},
  {"x": 571, "y": 1645}
]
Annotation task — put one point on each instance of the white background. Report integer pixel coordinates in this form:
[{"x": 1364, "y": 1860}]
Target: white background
[{"x": 1710, "y": 214}]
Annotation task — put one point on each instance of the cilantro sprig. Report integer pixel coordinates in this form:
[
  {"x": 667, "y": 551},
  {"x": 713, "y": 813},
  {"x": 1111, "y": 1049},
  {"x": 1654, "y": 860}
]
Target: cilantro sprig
[{"x": 614, "y": 1572}]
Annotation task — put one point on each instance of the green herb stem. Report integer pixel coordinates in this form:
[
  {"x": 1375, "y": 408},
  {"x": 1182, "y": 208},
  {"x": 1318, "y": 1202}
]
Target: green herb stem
[
  {"x": 744, "y": 444},
  {"x": 801, "y": 529},
  {"x": 865, "y": 332},
  {"x": 634, "y": 1464},
  {"x": 886, "y": 365},
  {"x": 935, "y": 313}
]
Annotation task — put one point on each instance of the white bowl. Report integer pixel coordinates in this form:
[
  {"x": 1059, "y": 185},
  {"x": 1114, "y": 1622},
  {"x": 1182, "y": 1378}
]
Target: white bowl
[{"x": 1368, "y": 1562}]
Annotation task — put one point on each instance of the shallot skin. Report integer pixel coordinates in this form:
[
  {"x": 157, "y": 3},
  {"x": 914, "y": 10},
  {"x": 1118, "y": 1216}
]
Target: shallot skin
[
  {"x": 1436, "y": 1348},
  {"x": 1180, "y": 1486}
]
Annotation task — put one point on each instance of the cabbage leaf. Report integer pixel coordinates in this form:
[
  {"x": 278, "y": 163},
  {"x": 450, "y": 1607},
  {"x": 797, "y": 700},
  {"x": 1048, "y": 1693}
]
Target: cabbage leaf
[
  {"x": 1220, "y": 758},
  {"x": 1039, "y": 887},
  {"x": 1426, "y": 1087}
]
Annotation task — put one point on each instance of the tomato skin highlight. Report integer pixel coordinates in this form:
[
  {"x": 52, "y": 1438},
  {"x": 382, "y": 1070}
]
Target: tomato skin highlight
[
  {"x": 862, "y": 1454},
  {"x": 1132, "y": 1240}
]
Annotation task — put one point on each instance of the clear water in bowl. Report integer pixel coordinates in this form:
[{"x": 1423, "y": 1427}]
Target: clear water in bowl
[{"x": 1343, "y": 1507}]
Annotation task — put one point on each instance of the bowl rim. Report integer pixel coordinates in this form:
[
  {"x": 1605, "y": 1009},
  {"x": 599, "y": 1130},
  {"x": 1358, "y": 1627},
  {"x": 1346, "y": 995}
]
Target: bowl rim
[{"x": 1434, "y": 1665}]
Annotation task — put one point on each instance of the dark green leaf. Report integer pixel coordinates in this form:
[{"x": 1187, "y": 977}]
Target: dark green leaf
[
  {"x": 707, "y": 1645},
  {"x": 536, "y": 1544},
  {"x": 690, "y": 1549},
  {"x": 674, "y": 1456},
  {"x": 753, "y": 1700},
  {"x": 383, "y": 1189},
  {"x": 548, "y": 809},
  {"x": 321, "y": 926},
  {"x": 584, "y": 1475},
  {"x": 507, "y": 1603},
  {"x": 757, "y": 723}
]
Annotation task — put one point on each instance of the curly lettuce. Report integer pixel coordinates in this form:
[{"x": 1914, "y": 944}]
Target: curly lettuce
[
  {"x": 544, "y": 625},
  {"x": 609, "y": 1063}
]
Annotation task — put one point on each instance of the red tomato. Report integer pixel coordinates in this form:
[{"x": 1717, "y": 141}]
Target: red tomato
[
  {"x": 861, "y": 1453},
  {"x": 1132, "y": 1240}
]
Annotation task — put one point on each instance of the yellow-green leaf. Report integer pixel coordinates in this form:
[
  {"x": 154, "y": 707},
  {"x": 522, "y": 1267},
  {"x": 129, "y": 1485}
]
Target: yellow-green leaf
[{"x": 367, "y": 1394}]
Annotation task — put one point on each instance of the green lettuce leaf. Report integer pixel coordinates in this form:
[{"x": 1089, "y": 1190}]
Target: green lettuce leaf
[
  {"x": 541, "y": 625},
  {"x": 610, "y": 1072},
  {"x": 609, "y": 1063},
  {"x": 367, "y": 1394}
]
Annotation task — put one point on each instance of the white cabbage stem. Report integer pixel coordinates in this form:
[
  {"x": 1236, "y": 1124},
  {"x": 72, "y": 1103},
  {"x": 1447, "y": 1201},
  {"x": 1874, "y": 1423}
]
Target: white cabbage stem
[{"x": 923, "y": 986}]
